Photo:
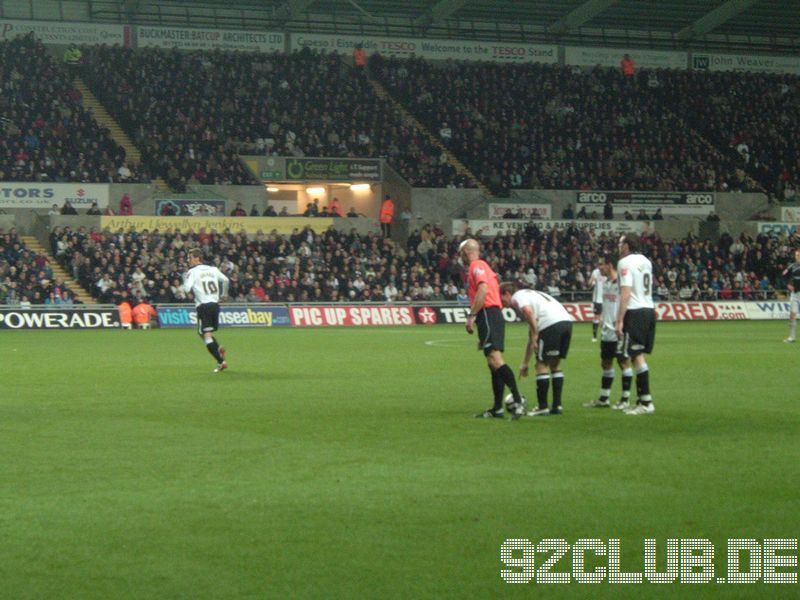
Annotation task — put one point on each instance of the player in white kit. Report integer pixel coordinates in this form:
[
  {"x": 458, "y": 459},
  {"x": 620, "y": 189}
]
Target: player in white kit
[
  {"x": 207, "y": 284},
  {"x": 549, "y": 335},
  {"x": 596, "y": 280},
  {"x": 636, "y": 317},
  {"x": 610, "y": 344},
  {"x": 792, "y": 274}
]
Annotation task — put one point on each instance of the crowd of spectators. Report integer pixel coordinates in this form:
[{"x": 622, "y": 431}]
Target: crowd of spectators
[
  {"x": 561, "y": 127},
  {"x": 191, "y": 113},
  {"x": 303, "y": 267},
  {"x": 26, "y": 278},
  {"x": 560, "y": 262},
  {"x": 513, "y": 125},
  {"x": 45, "y": 133},
  {"x": 346, "y": 267},
  {"x": 754, "y": 117}
]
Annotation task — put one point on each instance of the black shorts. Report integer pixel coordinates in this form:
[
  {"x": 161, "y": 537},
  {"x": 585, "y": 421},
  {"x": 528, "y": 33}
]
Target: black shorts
[
  {"x": 598, "y": 308},
  {"x": 207, "y": 317},
  {"x": 491, "y": 329},
  {"x": 554, "y": 341},
  {"x": 639, "y": 332},
  {"x": 610, "y": 350}
]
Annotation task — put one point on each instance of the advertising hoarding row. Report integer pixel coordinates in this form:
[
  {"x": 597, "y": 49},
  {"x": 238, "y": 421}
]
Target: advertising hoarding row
[
  {"x": 361, "y": 315},
  {"x": 204, "y": 38}
]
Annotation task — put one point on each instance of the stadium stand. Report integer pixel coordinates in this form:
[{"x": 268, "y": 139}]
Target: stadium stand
[
  {"x": 753, "y": 117},
  {"x": 46, "y": 133},
  {"x": 191, "y": 113},
  {"x": 513, "y": 126},
  {"x": 335, "y": 266},
  {"x": 557, "y": 127}
]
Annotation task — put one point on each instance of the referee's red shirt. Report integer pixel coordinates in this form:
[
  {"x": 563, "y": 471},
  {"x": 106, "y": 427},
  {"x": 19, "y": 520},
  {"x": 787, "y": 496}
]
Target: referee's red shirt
[{"x": 481, "y": 272}]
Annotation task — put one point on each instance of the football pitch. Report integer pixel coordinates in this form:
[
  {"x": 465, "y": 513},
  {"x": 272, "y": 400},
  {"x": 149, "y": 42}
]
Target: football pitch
[{"x": 346, "y": 463}]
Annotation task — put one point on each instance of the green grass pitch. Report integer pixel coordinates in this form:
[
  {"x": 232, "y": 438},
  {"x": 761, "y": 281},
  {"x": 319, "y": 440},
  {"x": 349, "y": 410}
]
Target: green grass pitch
[{"x": 346, "y": 463}]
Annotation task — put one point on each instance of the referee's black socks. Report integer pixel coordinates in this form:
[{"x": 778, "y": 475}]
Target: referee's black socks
[
  {"x": 507, "y": 377},
  {"x": 497, "y": 388}
]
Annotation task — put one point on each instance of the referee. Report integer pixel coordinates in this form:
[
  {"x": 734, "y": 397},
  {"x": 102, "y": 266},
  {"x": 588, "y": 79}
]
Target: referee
[{"x": 483, "y": 290}]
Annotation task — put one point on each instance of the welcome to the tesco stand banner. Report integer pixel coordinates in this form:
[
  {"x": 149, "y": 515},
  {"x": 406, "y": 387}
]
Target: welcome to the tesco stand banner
[
  {"x": 43, "y": 195},
  {"x": 186, "y": 38},
  {"x": 425, "y": 48},
  {"x": 493, "y": 227},
  {"x": 64, "y": 33}
]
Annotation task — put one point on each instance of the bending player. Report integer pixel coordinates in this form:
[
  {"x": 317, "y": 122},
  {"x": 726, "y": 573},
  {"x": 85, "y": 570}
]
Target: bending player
[{"x": 549, "y": 335}]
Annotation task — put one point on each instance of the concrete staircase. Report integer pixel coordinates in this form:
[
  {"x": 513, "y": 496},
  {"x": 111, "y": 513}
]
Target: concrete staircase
[
  {"x": 381, "y": 92},
  {"x": 104, "y": 119},
  {"x": 58, "y": 271}
]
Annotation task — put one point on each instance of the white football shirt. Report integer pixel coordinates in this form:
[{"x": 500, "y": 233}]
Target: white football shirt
[
  {"x": 206, "y": 283},
  {"x": 636, "y": 272},
  {"x": 546, "y": 309},
  {"x": 610, "y": 305},
  {"x": 597, "y": 279}
]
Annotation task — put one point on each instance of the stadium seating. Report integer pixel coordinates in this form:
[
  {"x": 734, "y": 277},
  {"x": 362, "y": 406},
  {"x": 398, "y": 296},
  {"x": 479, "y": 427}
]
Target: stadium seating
[
  {"x": 45, "y": 134},
  {"x": 753, "y": 117},
  {"x": 513, "y": 125},
  {"x": 192, "y": 112},
  {"x": 347, "y": 267},
  {"x": 27, "y": 277},
  {"x": 556, "y": 127}
]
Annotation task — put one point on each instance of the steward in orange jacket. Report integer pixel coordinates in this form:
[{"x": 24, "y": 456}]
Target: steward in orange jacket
[
  {"x": 387, "y": 216},
  {"x": 142, "y": 313},
  {"x": 125, "y": 314}
]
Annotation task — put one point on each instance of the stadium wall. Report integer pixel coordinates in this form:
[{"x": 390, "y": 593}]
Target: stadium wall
[
  {"x": 7, "y": 222},
  {"x": 435, "y": 204}
]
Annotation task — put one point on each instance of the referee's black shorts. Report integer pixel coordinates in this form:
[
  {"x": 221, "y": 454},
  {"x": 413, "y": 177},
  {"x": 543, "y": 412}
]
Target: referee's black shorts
[
  {"x": 639, "y": 332},
  {"x": 491, "y": 329},
  {"x": 207, "y": 317}
]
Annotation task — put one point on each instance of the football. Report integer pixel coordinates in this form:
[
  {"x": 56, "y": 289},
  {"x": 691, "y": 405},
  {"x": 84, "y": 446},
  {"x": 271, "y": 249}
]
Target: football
[{"x": 509, "y": 401}]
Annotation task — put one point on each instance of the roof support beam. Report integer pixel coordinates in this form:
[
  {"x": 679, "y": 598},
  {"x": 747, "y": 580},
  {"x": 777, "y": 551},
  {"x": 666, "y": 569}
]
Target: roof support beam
[
  {"x": 291, "y": 10},
  {"x": 711, "y": 20},
  {"x": 439, "y": 12},
  {"x": 131, "y": 7},
  {"x": 583, "y": 14}
]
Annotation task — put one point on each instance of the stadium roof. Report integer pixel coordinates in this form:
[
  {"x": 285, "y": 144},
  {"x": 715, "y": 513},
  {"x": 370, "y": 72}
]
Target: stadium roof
[{"x": 757, "y": 24}]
